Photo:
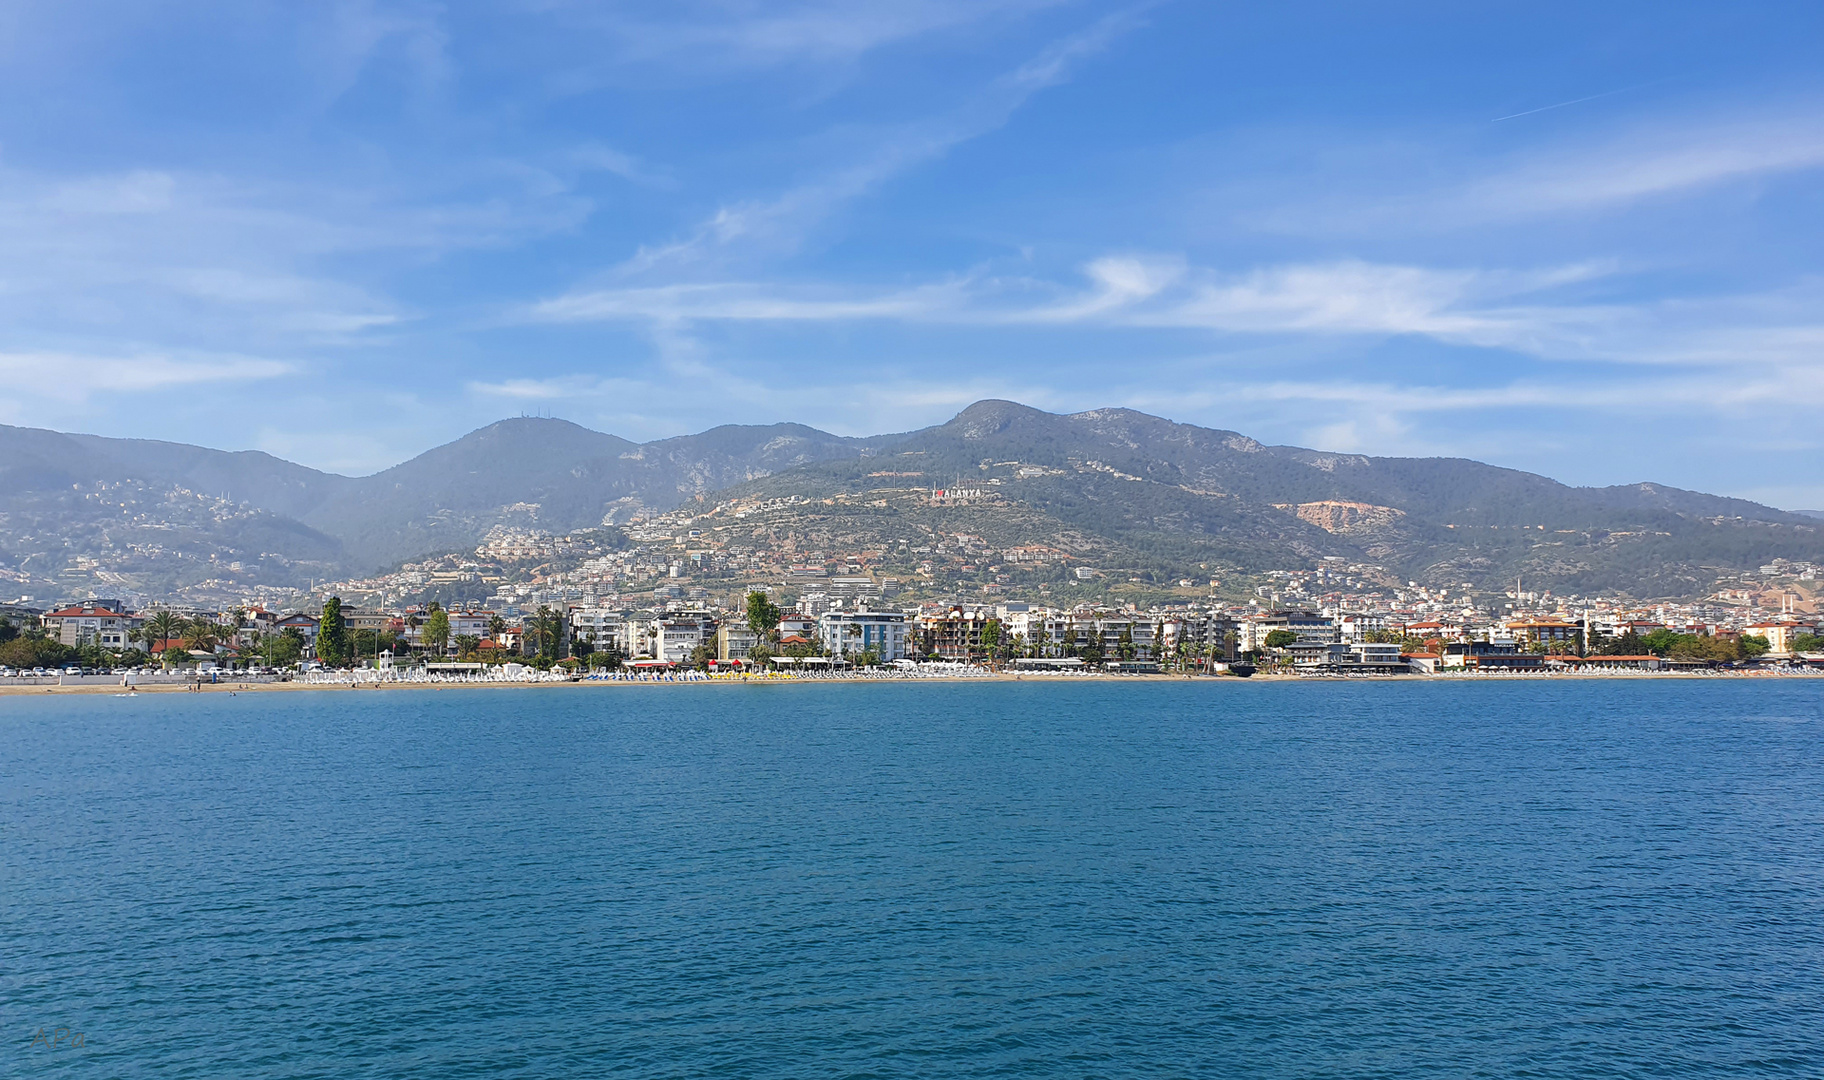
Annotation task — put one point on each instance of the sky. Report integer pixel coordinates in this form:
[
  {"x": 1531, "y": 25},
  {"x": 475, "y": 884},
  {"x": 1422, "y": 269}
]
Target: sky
[{"x": 1576, "y": 238}]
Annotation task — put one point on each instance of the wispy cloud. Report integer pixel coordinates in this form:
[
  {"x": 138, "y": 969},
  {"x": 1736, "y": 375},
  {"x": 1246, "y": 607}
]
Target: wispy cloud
[
  {"x": 711, "y": 38},
  {"x": 742, "y": 302},
  {"x": 75, "y": 377},
  {"x": 198, "y": 261},
  {"x": 1577, "y": 101},
  {"x": 779, "y": 224},
  {"x": 1510, "y": 310},
  {"x": 1646, "y": 164},
  {"x": 1442, "y": 185}
]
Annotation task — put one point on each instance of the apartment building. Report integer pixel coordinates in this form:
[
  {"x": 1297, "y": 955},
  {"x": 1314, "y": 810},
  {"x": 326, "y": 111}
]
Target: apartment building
[{"x": 852, "y": 633}]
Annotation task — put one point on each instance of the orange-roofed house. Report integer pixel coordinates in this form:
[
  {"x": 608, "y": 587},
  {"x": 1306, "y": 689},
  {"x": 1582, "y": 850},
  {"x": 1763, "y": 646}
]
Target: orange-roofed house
[{"x": 97, "y": 622}]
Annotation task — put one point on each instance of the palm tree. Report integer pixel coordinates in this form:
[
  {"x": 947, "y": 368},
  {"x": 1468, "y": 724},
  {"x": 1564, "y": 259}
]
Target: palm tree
[
  {"x": 160, "y": 628},
  {"x": 199, "y": 635}
]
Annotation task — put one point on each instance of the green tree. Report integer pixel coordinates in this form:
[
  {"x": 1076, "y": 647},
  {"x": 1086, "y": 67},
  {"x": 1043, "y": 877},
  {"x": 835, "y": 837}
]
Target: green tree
[
  {"x": 160, "y": 627},
  {"x": 1628, "y": 644},
  {"x": 546, "y": 627},
  {"x": 991, "y": 639},
  {"x": 285, "y": 649},
  {"x": 1659, "y": 642},
  {"x": 437, "y": 629},
  {"x": 332, "y": 634},
  {"x": 1124, "y": 644},
  {"x": 763, "y": 617},
  {"x": 496, "y": 627},
  {"x": 7, "y": 630},
  {"x": 1753, "y": 645},
  {"x": 31, "y": 652},
  {"x": 1280, "y": 639},
  {"x": 199, "y": 634},
  {"x": 466, "y": 645},
  {"x": 1807, "y": 643},
  {"x": 368, "y": 644}
]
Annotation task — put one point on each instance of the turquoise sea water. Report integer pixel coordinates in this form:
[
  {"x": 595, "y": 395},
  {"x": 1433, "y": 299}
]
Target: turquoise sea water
[{"x": 1019, "y": 879}]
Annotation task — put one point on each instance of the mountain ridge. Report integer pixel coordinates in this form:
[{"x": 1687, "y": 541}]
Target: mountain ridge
[{"x": 1138, "y": 482}]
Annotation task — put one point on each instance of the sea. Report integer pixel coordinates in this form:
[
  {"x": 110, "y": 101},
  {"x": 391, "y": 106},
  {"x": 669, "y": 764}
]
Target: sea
[{"x": 1139, "y": 878}]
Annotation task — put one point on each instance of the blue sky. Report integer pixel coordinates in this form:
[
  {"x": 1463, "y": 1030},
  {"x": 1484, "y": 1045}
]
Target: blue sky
[{"x": 1580, "y": 239}]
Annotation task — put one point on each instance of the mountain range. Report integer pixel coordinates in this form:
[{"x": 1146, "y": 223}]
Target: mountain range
[{"x": 1139, "y": 491}]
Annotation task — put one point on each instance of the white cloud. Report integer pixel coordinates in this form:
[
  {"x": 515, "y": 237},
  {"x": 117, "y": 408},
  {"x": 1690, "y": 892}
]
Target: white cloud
[
  {"x": 739, "y": 302},
  {"x": 1508, "y": 310},
  {"x": 75, "y": 378},
  {"x": 187, "y": 260},
  {"x": 1645, "y": 164},
  {"x": 1391, "y": 191}
]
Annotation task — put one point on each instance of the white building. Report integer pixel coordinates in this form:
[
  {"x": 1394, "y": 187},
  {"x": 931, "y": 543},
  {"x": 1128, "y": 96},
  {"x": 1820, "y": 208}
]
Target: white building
[
  {"x": 855, "y": 632},
  {"x": 603, "y": 628},
  {"x": 469, "y": 623},
  {"x": 98, "y": 622},
  {"x": 672, "y": 637},
  {"x": 1311, "y": 628},
  {"x": 734, "y": 641},
  {"x": 1356, "y": 626}
]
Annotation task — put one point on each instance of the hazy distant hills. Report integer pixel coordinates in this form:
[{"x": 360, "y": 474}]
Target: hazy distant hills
[
  {"x": 1137, "y": 491},
  {"x": 93, "y": 513},
  {"x": 169, "y": 513},
  {"x": 550, "y": 475}
]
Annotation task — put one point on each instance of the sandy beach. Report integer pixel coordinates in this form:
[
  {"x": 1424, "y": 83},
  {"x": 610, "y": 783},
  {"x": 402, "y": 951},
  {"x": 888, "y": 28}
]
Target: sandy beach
[{"x": 232, "y": 687}]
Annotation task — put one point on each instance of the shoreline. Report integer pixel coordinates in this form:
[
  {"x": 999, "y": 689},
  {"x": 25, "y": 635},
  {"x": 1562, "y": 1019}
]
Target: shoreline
[{"x": 236, "y": 688}]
